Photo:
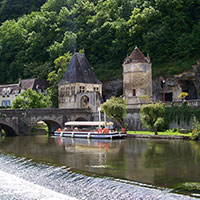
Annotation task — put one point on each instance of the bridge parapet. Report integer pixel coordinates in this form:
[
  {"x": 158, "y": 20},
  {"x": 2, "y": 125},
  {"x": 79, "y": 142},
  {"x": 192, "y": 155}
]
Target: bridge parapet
[{"x": 22, "y": 121}]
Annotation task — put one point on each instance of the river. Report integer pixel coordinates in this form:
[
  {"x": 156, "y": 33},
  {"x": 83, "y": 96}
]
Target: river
[{"x": 42, "y": 167}]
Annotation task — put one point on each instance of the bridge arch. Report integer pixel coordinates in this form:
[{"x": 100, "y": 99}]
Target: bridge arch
[
  {"x": 9, "y": 131},
  {"x": 51, "y": 124},
  {"x": 81, "y": 119}
]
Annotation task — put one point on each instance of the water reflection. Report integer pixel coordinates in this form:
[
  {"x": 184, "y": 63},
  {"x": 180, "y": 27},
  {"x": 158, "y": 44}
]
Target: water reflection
[
  {"x": 90, "y": 146},
  {"x": 92, "y": 155},
  {"x": 156, "y": 162}
]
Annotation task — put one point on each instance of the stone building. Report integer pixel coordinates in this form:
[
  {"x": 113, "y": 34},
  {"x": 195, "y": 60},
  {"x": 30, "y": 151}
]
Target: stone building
[
  {"x": 80, "y": 87},
  {"x": 137, "y": 79},
  {"x": 9, "y": 92},
  {"x": 188, "y": 81}
]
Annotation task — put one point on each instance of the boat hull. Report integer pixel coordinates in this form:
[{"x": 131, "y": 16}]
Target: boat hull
[{"x": 91, "y": 135}]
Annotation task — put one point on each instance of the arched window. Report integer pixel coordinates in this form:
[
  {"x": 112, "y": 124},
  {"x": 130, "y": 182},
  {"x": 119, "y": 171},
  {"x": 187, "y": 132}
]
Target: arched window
[{"x": 85, "y": 103}]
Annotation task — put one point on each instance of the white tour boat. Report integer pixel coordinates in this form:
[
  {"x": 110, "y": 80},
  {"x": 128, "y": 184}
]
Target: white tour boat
[{"x": 90, "y": 129}]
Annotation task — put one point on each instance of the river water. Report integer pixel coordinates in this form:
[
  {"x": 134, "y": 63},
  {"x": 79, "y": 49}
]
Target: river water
[{"x": 41, "y": 167}]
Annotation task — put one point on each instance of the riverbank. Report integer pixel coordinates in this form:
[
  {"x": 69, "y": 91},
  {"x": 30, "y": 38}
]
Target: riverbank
[{"x": 161, "y": 135}]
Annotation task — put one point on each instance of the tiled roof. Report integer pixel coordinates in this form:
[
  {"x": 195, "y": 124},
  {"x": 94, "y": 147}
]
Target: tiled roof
[
  {"x": 79, "y": 71},
  {"x": 35, "y": 83},
  {"x": 136, "y": 57},
  {"x": 27, "y": 83},
  {"x": 12, "y": 87}
]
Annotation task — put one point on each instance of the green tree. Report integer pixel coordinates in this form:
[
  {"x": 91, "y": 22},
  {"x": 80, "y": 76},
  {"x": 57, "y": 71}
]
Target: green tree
[
  {"x": 14, "y": 9},
  {"x": 31, "y": 99},
  {"x": 106, "y": 30},
  {"x": 165, "y": 30},
  {"x": 29, "y": 45},
  {"x": 152, "y": 116},
  {"x": 115, "y": 108},
  {"x": 196, "y": 130},
  {"x": 55, "y": 76},
  {"x": 106, "y": 37},
  {"x": 13, "y": 45}
]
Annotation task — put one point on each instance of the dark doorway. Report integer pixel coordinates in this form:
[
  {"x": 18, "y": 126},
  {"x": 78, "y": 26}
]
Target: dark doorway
[
  {"x": 189, "y": 87},
  {"x": 169, "y": 96}
]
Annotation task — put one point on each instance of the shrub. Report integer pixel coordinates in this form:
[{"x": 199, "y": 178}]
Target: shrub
[
  {"x": 196, "y": 131},
  {"x": 152, "y": 116}
]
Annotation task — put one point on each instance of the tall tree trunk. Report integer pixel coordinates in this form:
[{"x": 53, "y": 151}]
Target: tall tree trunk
[{"x": 155, "y": 131}]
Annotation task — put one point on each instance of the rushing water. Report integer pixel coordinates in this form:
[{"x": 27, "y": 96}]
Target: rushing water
[{"x": 42, "y": 167}]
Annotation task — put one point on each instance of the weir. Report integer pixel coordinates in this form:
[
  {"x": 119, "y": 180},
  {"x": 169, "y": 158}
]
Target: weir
[{"x": 72, "y": 168}]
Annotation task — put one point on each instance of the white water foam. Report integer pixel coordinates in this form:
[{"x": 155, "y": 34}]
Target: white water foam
[{"x": 12, "y": 187}]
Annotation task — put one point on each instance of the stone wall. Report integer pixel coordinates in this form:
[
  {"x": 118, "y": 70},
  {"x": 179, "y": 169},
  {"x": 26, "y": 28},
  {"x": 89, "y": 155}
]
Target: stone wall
[
  {"x": 80, "y": 95},
  {"x": 188, "y": 81},
  {"x": 139, "y": 79},
  {"x": 133, "y": 120},
  {"x": 192, "y": 103},
  {"x": 182, "y": 125}
]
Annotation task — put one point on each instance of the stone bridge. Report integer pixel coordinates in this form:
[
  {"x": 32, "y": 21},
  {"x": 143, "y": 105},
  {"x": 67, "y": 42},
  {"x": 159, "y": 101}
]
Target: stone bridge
[{"x": 21, "y": 122}]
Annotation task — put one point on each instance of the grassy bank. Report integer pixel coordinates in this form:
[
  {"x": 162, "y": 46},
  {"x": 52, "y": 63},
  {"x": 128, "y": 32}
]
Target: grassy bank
[{"x": 166, "y": 133}]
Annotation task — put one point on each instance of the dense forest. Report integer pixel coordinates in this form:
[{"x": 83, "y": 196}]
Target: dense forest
[
  {"x": 106, "y": 30},
  {"x": 12, "y": 9}
]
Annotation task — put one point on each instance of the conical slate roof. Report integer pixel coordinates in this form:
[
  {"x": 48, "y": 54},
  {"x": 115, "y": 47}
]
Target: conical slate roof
[
  {"x": 79, "y": 71},
  {"x": 137, "y": 57}
]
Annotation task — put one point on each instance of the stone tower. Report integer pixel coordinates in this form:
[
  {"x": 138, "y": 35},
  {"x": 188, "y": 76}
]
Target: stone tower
[
  {"x": 80, "y": 87},
  {"x": 137, "y": 79}
]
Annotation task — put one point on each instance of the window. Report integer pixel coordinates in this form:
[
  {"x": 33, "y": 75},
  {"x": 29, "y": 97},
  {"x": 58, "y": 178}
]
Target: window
[
  {"x": 82, "y": 89},
  {"x": 67, "y": 91},
  {"x": 72, "y": 90},
  {"x": 61, "y": 92},
  {"x": 96, "y": 89},
  {"x": 5, "y": 103},
  {"x": 39, "y": 91},
  {"x": 134, "y": 92}
]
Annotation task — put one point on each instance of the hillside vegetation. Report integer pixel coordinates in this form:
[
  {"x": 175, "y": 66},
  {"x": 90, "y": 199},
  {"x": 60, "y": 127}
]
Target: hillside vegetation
[
  {"x": 168, "y": 30},
  {"x": 12, "y": 9}
]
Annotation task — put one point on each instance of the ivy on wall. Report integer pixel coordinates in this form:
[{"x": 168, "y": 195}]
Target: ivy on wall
[{"x": 181, "y": 113}]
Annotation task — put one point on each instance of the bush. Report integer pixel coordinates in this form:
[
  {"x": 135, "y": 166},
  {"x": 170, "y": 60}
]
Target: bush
[
  {"x": 152, "y": 116},
  {"x": 196, "y": 131}
]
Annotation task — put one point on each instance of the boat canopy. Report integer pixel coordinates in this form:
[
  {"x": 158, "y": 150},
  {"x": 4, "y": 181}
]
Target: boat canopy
[{"x": 88, "y": 123}]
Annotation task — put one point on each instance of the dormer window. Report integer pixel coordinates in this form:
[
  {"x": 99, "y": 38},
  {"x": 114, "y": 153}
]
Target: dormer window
[
  {"x": 16, "y": 92},
  {"x": 4, "y": 91}
]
